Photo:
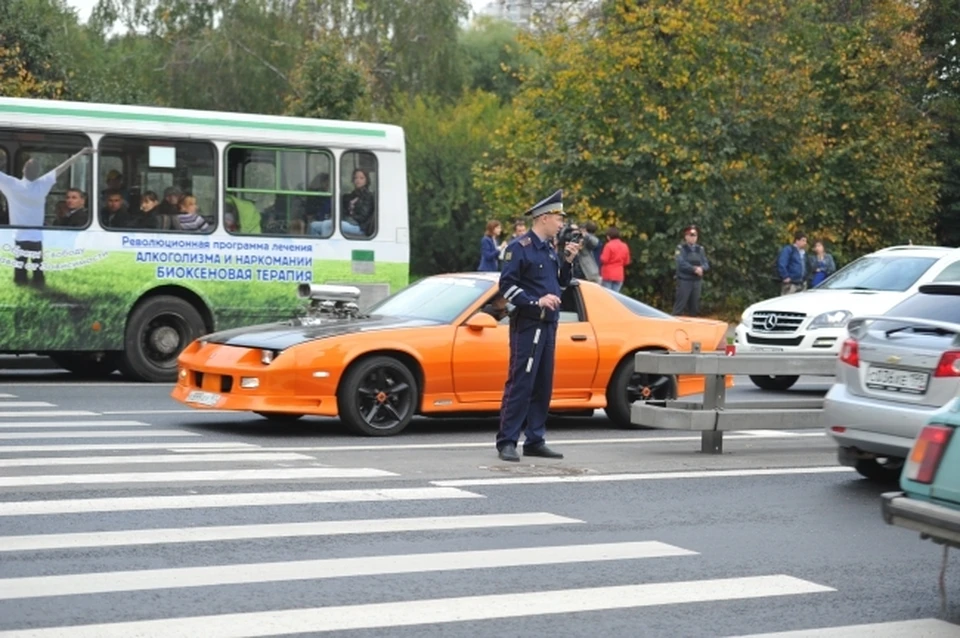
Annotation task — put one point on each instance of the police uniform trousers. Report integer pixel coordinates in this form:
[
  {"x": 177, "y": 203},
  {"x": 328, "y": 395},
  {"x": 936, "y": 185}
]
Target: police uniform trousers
[
  {"x": 526, "y": 395},
  {"x": 687, "y": 302}
]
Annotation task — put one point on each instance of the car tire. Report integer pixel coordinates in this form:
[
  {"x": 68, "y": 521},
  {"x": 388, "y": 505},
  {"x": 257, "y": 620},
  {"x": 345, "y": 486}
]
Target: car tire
[
  {"x": 157, "y": 331},
  {"x": 628, "y": 386},
  {"x": 378, "y": 396},
  {"x": 885, "y": 472},
  {"x": 282, "y": 417},
  {"x": 88, "y": 365},
  {"x": 768, "y": 382}
]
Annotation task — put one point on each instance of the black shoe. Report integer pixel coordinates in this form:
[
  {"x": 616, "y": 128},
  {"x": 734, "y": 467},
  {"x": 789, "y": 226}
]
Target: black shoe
[
  {"x": 509, "y": 452},
  {"x": 541, "y": 450}
]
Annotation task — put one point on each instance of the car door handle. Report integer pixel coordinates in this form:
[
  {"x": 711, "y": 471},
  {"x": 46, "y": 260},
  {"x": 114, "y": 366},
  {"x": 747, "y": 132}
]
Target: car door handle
[{"x": 579, "y": 337}]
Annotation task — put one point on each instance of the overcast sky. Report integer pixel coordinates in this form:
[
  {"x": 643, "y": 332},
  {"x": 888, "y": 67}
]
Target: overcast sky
[{"x": 84, "y": 7}]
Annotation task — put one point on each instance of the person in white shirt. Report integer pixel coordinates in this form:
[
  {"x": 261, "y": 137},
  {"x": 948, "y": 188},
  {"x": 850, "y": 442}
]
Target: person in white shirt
[{"x": 26, "y": 200}]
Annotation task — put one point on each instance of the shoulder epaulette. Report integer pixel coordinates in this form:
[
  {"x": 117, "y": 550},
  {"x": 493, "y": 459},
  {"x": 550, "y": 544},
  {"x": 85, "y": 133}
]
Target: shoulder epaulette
[{"x": 524, "y": 241}]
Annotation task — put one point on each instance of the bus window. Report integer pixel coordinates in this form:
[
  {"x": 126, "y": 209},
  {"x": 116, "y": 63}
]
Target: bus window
[
  {"x": 165, "y": 167},
  {"x": 358, "y": 204},
  {"x": 278, "y": 191},
  {"x": 49, "y": 150}
]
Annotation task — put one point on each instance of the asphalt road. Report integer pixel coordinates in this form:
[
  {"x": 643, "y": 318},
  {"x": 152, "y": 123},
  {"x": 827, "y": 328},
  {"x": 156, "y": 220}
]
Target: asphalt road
[{"x": 124, "y": 514}]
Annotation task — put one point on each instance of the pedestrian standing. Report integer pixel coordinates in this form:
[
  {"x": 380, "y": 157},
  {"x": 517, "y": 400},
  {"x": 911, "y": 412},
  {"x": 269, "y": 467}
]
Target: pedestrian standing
[
  {"x": 820, "y": 265},
  {"x": 613, "y": 260},
  {"x": 791, "y": 264},
  {"x": 691, "y": 264},
  {"x": 489, "y": 248},
  {"x": 532, "y": 279}
]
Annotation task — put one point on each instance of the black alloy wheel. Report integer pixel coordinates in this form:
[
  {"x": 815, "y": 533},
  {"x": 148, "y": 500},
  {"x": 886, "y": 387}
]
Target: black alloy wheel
[{"x": 378, "y": 396}]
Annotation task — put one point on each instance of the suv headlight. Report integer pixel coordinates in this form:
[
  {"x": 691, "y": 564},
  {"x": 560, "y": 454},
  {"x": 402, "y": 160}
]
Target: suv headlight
[
  {"x": 832, "y": 319},
  {"x": 745, "y": 318}
]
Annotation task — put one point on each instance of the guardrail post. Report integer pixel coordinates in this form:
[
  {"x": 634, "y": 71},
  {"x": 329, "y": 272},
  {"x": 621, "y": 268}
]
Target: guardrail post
[{"x": 714, "y": 397}]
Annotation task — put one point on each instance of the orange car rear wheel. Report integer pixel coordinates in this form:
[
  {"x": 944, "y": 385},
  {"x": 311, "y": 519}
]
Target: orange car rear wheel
[
  {"x": 628, "y": 386},
  {"x": 378, "y": 396}
]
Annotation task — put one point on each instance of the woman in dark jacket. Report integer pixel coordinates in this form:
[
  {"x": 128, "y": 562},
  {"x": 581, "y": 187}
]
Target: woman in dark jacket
[
  {"x": 489, "y": 249},
  {"x": 820, "y": 265},
  {"x": 359, "y": 207}
]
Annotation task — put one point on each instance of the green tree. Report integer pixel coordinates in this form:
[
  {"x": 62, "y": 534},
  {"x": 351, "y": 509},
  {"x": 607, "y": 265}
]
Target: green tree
[
  {"x": 749, "y": 119},
  {"x": 493, "y": 58},
  {"x": 443, "y": 141},
  {"x": 32, "y": 59},
  {"x": 324, "y": 83}
]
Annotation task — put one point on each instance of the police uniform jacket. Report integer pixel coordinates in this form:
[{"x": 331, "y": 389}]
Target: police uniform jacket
[
  {"x": 689, "y": 257},
  {"x": 532, "y": 269}
]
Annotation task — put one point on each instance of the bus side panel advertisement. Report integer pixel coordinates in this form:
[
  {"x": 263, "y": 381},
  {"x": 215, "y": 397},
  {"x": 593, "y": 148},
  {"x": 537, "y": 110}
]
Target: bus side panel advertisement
[{"x": 74, "y": 290}]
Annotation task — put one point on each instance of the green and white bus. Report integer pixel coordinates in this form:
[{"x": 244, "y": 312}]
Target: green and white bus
[{"x": 177, "y": 223}]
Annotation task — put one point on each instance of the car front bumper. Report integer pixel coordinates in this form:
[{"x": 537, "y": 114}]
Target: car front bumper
[
  {"x": 826, "y": 341},
  {"x": 936, "y": 522}
]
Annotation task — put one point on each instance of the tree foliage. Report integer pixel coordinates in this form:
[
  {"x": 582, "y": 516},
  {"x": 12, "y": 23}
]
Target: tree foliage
[
  {"x": 750, "y": 119},
  {"x": 32, "y": 64}
]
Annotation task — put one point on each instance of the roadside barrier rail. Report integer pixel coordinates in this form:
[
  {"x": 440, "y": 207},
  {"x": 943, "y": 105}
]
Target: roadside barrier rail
[{"x": 714, "y": 415}]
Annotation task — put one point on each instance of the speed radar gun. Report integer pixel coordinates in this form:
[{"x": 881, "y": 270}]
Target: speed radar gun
[{"x": 331, "y": 300}]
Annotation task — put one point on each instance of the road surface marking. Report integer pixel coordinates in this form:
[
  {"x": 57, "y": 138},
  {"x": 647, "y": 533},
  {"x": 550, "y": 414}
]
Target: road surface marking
[
  {"x": 252, "y": 499},
  {"x": 173, "y": 446},
  {"x": 290, "y": 474},
  {"x": 207, "y": 457},
  {"x": 275, "y": 530},
  {"x": 438, "y": 610},
  {"x": 322, "y": 569},
  {"x": 26, "y": 404},
  {"x": 924, "y": 628},
  {"x": 47, "y": 413},
  {"x": 117, "y": 412},
  {"x": 649, "y": 476},
  {"x": 9, "y": 425},
  {"x": 94, "y": 434}
]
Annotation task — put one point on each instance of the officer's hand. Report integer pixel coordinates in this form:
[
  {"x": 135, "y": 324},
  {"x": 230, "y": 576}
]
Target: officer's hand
[
  {"x": 551, "y": 302},
  {"x": 699, "y": 271},
  {"x": 787, "y": 280}
]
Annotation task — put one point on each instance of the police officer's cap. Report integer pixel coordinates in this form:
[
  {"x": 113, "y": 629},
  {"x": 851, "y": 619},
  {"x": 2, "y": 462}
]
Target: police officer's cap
[
  {"x": 552, "y": 204},
  {"x": 687, "y": 229}
]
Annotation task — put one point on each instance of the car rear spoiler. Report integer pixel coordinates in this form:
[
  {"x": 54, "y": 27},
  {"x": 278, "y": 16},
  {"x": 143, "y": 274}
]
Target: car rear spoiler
[{"x": 857, "y": 326}]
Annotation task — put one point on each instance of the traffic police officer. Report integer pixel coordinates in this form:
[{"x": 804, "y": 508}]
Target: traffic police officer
[
  {"x": 691, "y": 264},
  {"x": 532, "y": 279}
]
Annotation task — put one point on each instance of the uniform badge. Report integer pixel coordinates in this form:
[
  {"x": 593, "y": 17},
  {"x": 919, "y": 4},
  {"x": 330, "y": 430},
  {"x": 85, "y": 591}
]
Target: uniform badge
[
  {"x": 524, "y": 241},
  {"x": 507, "y": 256}
]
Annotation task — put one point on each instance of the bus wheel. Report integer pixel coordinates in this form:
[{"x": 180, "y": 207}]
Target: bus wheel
[
  {"x": 158, "y": 330},
  {"x": 90, "y": 365}
]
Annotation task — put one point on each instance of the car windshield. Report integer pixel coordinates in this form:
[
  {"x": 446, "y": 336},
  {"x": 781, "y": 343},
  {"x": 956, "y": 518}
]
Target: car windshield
[
  {"x": 637, "y": 307},
  {"x": 879, "y": 272},
  {"x": 434, "y": 298}
]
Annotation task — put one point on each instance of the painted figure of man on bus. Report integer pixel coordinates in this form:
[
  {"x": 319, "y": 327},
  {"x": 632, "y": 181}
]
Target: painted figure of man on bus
[{"x": 26, "y": 199}]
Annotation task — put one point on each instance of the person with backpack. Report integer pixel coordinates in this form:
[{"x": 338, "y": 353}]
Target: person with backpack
[{"x": 791, "y": 265}]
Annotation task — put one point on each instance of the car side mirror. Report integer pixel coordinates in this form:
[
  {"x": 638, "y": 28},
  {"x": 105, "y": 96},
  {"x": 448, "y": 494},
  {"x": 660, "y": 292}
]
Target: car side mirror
[{"x": 480, "y": 321}]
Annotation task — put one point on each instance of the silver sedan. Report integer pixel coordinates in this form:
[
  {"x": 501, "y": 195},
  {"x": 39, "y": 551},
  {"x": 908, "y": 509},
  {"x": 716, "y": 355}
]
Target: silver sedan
[{"x": 894, "y": 371}]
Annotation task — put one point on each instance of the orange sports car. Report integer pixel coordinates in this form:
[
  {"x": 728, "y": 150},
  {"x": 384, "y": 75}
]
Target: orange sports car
[{"x": 438, "y": 347}]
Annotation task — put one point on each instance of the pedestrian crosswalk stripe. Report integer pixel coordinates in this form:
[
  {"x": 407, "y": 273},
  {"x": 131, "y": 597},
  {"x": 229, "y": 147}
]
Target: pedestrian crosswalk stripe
[
  {"x": 924, "y": 628},
  {"x": 191, "y": 477},
  {"x": 45, "y": 413},
  {"x": 10, "y": 425},
  {"x": 208, "y": 457},
  {"x": 7, "y": 396},
  {"x": 647, "y": 476},
  {"x": 438, "y": 610},
  {"x": 173, "y": 446},
  {"x": 25, "y": 404},
  {"x": 253, "y": 499},
  {"x": 275, "y": 530},
  {"x": 152, "y": 579},
  {"x": 94, "y": 434}
]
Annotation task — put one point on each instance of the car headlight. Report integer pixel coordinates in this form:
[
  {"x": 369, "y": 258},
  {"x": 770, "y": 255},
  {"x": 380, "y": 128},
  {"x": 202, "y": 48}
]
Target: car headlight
[
  {"x": 746, "y": 317},
  {"x": 832, "y": 319}
]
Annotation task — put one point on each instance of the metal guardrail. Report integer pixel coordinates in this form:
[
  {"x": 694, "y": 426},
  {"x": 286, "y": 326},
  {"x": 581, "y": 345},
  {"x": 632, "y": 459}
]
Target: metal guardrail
[{"x": 714, "y": 415}]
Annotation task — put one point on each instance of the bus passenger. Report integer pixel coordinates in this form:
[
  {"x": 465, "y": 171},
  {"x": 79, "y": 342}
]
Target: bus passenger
[
  {"x": 359, "y": 214},
  {"x": 116, "y": 213},
  {"x": 188, "y": 217},
  {"x": 76, "y": 215}
]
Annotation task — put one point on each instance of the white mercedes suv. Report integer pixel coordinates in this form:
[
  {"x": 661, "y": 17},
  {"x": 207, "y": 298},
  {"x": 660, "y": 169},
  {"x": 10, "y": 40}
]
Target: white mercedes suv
[{"x": 814, "y": 321}]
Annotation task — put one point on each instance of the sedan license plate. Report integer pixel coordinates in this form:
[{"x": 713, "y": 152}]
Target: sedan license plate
[
  {"x": 894, "y": 380},
  {"x": 203, "y": 398}
]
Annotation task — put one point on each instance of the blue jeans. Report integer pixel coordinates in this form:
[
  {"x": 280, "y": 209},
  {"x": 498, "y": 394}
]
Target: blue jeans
[{"x": 615, "y": 286}]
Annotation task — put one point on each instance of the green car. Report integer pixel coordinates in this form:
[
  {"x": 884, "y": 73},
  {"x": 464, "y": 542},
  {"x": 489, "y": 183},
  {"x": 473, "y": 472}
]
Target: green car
[{"x": 930, "y": 500}]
